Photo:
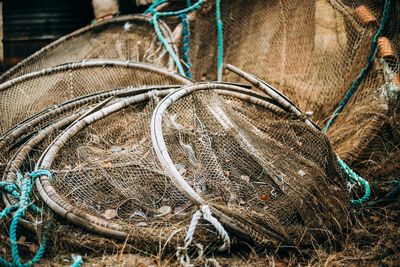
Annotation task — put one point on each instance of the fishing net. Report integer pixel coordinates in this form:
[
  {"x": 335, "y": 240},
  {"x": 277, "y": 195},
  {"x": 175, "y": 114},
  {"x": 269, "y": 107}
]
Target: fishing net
[
  {"x": 257, "y": 165},
  {"x": 313, "y": 51},
  {"x": 125, "y": 38},
  {"x": 43, "y": 128},
  {"x": 106, "y": 178},
  {"x": 29, "y": 94},
  {"x": 140, "y": 170},
  {"x": 22, "y": 98}
]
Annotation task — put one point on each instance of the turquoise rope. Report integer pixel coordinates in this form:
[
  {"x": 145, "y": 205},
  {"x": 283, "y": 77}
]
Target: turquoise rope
[
  {"x": 154, "y": 21},
  {"x": 364, "y": 72},
  {"x": 152, "y": 6},
  {"x": 166, "y": 45},
  {"x": 77, "y": 261},
  {"x": 220, "y": 39},
  {"x": 353, "y": 178},
  {"x": 19, "y": 209}
]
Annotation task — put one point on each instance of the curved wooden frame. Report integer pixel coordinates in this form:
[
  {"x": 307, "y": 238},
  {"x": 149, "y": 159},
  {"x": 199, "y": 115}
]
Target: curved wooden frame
[
  {"x": 97, "y": 224},
  {"x": 11, "y": 73},
  {"x": 93, "y": 63}
]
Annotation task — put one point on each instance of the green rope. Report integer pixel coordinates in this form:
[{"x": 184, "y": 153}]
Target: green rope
[
  {"x": 392, "y": 197},
  {"x": 19, "y": 209},
  {"x": 364, "y": 72}
]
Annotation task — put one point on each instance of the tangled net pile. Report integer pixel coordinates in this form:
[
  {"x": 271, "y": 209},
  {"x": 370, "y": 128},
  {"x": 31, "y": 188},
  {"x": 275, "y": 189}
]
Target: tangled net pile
[{"x": 105, "y": 144}]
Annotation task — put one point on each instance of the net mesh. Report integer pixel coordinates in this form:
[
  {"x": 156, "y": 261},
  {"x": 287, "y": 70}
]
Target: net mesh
[
  {"x": 124, "y": 38},
  {"x": 156, "y": 232},
  {"x": 273, "y": 175},
  {"x": 313, "y": 51},
  {"x": 277, "y": 179},
  {"x": 108, "y": 171},
  {"x": 24, "y": 97}
]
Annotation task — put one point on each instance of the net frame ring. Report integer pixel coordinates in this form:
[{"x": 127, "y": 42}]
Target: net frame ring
[
  {"x": 95, "y": 223},
  {"x": 55, "y": 201},
  {"x": 16, "y": 162},
  {"x": 126, "y": 21},
  {"x": 169, "y": 167}
]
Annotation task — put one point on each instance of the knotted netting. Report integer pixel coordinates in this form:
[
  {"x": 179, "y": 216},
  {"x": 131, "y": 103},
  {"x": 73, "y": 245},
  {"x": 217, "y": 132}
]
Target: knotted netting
[
  {"x": 261, "y": 165},
  {"x": 27, "y": 95},
  {"x": 128, "y": 37},
  {"x": 317, "y": 53},
  {"x": 24, "y": 143},
  {"x": 106, "y": 177},
  {"x": 258, "y": 166}
]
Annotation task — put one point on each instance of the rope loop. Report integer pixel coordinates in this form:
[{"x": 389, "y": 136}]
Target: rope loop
[
  {"x": 40, "y": 172},
  {"x": 355, "y": 178}
]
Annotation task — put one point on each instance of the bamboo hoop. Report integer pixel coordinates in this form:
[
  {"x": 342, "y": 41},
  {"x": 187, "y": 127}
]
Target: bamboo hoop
[
  {"x": 95, "y": 223},
  {"x": 130, "y": 67},
  {"x": 55, "y": 201},
  {"x": 166, "y": 161},
  {"x": 20, "y": 156},
  {"x": 17, "y": 70}
]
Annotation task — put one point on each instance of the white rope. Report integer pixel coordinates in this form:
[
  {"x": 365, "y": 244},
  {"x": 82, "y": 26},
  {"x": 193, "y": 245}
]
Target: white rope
[
  {"x": 182, "y": 253},
  {"x": 218, "y": 226}
]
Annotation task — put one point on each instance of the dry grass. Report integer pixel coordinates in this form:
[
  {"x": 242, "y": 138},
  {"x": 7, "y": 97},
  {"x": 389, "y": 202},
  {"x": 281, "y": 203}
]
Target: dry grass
[{"x": 373, "y": 241}]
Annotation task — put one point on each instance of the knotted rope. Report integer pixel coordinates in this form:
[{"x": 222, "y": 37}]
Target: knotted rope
[
  {"x": 182, "y": 252},
  {"x": 22, "y": 194}
]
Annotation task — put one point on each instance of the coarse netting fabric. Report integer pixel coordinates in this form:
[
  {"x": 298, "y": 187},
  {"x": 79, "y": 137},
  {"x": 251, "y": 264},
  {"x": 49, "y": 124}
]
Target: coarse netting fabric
[
  {"x": 107, "y": 179},
  {"x": 27, "y": 95},
  {"x": 250, "y": 159},
  {"x": 130, "y": 37},
  {"x": 25, "y": 142},
  {"x": 313, "y": 51},
  {"x": 107, "y": 176},
  {"x": 63, "y": 236}
]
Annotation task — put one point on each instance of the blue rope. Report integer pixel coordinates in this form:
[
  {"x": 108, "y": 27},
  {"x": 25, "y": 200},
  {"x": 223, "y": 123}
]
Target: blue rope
[
  {"x": 186, "y": 39},
  {"x": 353, "y": 178},
  {"x": 160, "y": 36},
  {"x": 19, "y": 209},
  {"x": 364, "y": 72},
  {"x": 220, "y": 40}
]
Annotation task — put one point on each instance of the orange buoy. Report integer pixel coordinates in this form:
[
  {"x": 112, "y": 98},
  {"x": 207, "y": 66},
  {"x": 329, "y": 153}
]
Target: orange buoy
[
  {"x": 385, "y": 49},
  {"x": 364, "y": 16}
]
